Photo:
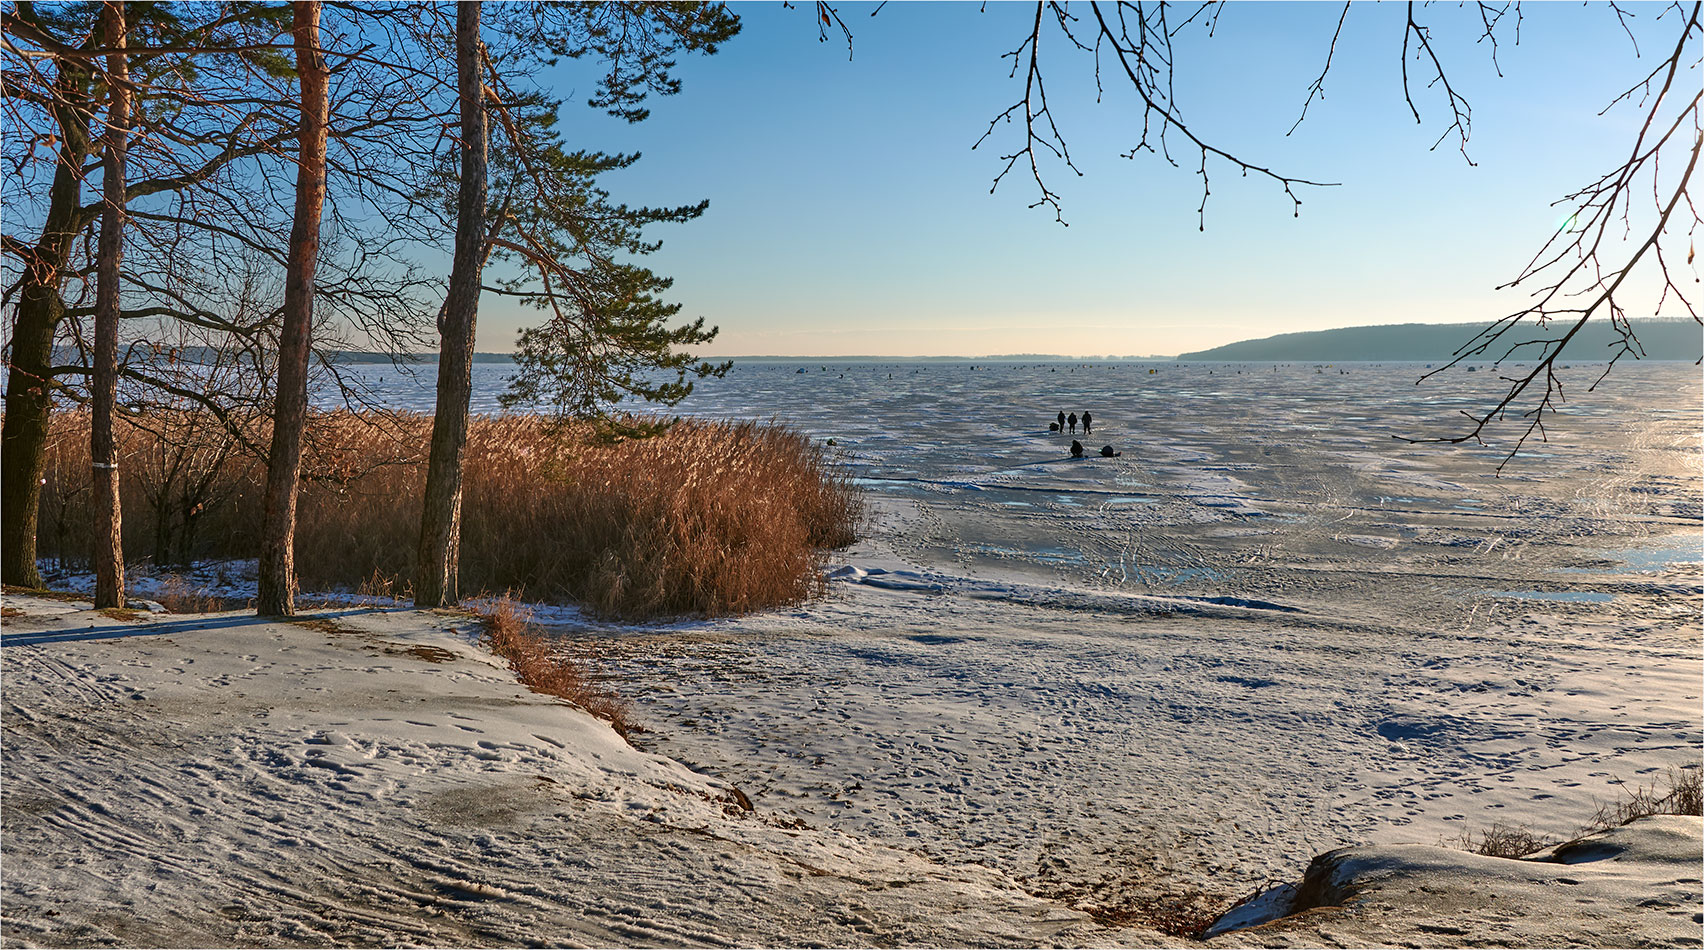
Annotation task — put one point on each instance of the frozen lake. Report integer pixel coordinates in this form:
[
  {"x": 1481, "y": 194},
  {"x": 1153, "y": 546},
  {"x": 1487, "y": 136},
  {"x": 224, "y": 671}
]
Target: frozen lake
[
  {"x": 1280, "y": 482},
  {"x": 1266, "y": 630}
]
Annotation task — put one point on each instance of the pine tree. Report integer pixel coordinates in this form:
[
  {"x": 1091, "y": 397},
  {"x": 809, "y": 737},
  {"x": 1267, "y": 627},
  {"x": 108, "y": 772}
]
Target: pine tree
[
  {"x": 569, "y": 251},
  {"x": 607, "y": 330}
]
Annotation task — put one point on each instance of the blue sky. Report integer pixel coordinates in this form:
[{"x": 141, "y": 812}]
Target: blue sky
[{"x": 849, "y": 214}]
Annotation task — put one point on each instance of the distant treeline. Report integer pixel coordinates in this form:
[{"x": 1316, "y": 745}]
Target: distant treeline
[
  {"x": 1662, "y": 339},
  {"x": 207, "y": 355},
  {"x": 358, "y": 356}
]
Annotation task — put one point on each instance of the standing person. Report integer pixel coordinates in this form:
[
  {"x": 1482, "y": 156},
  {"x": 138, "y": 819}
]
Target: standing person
[
  {"x": 1062, "y": 422},
  {"x": 1072, "y": 418},
  {"x": 1088, "y": 423}
]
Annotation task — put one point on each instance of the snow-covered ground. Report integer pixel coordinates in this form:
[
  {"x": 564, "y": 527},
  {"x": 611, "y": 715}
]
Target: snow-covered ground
[
  {"x": 1040, "y": 686},
  {"x": 373, "y": 778}
]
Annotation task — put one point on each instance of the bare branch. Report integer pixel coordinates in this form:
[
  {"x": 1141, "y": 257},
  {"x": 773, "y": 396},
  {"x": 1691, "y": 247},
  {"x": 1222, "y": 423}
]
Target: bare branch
[{"x": 1318, "y": 85}]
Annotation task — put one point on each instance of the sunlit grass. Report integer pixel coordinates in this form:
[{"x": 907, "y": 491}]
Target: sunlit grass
[{"x": 538, "y": 663}]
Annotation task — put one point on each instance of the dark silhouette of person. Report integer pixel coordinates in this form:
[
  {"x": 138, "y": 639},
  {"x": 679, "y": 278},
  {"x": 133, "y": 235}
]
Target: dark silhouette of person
[
  {"x": 1108, "y": 453},
  {"x": 1072, "y": 419},
  {"x": 1088, "y": 423},
  {"x": 1062, "y": 422},
  {"x": 1076, "y": 449}
]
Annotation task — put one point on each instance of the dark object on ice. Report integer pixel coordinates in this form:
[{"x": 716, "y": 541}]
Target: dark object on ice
[
  {"x": 1107, "y": 452},
  {"x": 1076, "y": 449},
  {"x": 1053, "y": 427},
  {"x": 1088, "y": 423},
  {"x": 1062, "y": 422},
  {"x": 1072, "y": 419}
]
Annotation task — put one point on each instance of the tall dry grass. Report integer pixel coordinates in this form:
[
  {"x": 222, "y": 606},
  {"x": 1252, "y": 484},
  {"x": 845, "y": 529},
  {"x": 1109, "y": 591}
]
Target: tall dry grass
[
  {"x": 707, "y": 518},
  {"x": 544, "y": 668},
  {"x": 1679, "y": 791}
]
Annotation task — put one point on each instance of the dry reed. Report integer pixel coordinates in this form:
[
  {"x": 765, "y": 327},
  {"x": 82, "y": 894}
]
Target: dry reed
[
  {"x": 537, "y": 662},
  {"x": 707, "y": 518},
  {"x": 178, "y": 597}
]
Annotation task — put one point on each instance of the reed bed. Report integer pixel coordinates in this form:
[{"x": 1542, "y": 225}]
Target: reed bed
[{"x": 707, "y": 518}]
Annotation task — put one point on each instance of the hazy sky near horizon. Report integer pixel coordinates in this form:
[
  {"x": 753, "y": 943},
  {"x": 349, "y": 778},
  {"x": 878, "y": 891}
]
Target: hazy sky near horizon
[{"x": 850, "y": 215}]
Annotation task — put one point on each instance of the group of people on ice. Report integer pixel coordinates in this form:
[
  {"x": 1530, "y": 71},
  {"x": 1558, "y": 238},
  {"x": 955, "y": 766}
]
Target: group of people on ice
[
  {"x": 1068, "y": 423},
  {"x": 1071, "y": 420}
]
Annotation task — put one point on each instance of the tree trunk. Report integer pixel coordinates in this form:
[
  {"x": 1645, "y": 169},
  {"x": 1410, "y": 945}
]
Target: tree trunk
[
  {"x": 440, "y": 523},
  {"x": 277, "y": 574},
  {"x": 108, "y": 527},
  {"x": 23, "y": 438},
  {"x": 29, "y": 402}
]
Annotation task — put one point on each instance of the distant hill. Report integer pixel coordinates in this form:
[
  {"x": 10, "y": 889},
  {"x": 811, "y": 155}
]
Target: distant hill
[{"x": 1433, "y": 342}]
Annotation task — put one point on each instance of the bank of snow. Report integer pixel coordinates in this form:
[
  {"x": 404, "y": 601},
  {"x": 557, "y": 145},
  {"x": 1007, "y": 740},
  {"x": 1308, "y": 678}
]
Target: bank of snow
[
  {"x": 1632, "y": 886},
  {"x": 374, "y": 777}
]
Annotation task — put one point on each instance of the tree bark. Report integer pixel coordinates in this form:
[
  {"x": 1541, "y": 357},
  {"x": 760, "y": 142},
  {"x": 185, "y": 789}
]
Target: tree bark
[
  {"x": 109, "y": 524},
  {"x": 29, "y": 401},
  {"x": 277, "y": 574},
  {"x": 437, "y": 581}
]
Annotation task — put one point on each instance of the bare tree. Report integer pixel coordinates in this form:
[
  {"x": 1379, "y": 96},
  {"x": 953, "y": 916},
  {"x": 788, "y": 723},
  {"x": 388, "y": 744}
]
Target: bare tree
[
  {"x": 1585, "y": 270},
  {"x": 277, "y": 571},
  {"x": 204, "y": 213},
  {"x": 1136, "y": 41},
  {"x": 50, "y": 82},
  {"x": 40, "y": 305}
]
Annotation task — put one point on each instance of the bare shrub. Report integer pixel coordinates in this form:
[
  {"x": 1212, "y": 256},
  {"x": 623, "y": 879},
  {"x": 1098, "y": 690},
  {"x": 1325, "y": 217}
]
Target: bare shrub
[
  {"x": 1677, "y": 792},
  {"x": 126, "y": 614},
  {"x": 1126, "y": 902},
  {"x": 1687, "y": 794},
  {"x": 537, "y": 662},
  {"x": 705, "y": 518},
  {"x": 1504, "y": 841},
  {"x": 179, "y": 598}
]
